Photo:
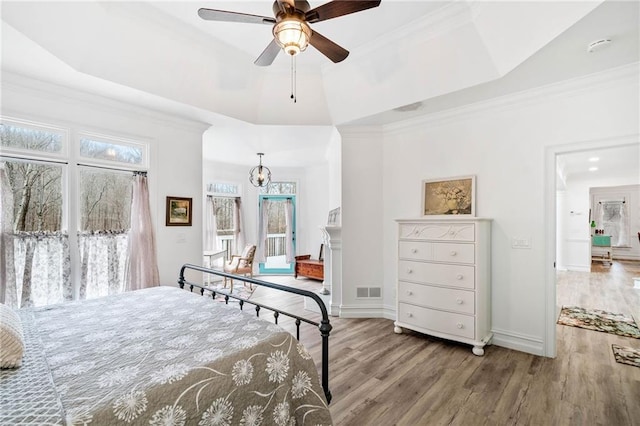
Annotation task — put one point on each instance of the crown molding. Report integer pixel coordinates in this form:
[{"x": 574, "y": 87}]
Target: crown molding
[
  {"x": 65, "y": 94},
  {"x": 622, "y": 75},
  {"x": 361, "y": 132}
]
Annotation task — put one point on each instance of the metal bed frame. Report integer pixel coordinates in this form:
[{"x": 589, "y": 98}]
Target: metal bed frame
[{"x": 324, "y": 326}]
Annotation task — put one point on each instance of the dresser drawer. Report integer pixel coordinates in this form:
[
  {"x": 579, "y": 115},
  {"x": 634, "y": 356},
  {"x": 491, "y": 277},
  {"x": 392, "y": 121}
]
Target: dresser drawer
[
  {"x": 442, "y": 322},
  {"x": 462, "y": 276},
  {"x": 448, "y": 299},
  {"x": 441, "y": 252},
  {"x": 438, "y": 231}
]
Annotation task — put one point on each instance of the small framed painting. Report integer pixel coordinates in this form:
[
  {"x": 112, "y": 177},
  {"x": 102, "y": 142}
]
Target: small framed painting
[
  {"x": 451, "y": 196},
  {"x": 178, "y": 211}
]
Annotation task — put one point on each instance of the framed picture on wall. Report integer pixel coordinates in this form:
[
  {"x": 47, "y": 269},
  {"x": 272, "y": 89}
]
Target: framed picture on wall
[
  {"x": 334, "y": 217},
  {"x": 178, "y": 211},
  {"x": 450, "y": 196}
]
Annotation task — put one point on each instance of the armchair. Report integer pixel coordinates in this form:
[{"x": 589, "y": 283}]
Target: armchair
[{"x": 241, "y": 264}]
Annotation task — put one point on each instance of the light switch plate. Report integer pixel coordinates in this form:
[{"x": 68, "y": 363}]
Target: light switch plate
[{"x": 521, "y": 242}]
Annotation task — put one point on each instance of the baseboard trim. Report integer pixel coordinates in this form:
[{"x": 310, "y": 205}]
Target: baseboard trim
[
  {"x": 367, "y": 311},
  {"x": 519, "y": 342}
]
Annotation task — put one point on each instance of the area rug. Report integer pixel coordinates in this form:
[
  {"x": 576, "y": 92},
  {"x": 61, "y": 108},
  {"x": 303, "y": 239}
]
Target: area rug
[
  {"x": 239, "y": 290},
  {"x": 625, "y": 355},
  {"x": 594, "y": 319}
]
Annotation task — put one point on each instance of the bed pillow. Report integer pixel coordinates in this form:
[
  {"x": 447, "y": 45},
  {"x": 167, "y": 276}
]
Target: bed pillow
[{"x": 11, "y": 338}]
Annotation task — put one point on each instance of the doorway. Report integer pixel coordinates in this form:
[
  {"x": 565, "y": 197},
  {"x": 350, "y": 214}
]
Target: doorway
[
  {"x": 278, "y": 233},
  {"x": 554, "y": 156}
]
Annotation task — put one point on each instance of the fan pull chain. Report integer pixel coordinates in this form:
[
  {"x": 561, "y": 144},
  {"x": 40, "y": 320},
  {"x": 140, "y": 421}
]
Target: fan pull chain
[{"x": 293, "y": 79}]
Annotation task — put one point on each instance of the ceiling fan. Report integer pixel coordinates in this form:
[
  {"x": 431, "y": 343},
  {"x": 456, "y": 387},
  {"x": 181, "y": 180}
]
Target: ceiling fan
[{"x": 291, "y": 30}]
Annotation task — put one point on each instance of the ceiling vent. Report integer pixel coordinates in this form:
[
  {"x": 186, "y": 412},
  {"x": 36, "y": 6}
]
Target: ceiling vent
[{"x": 598, "y": 44}]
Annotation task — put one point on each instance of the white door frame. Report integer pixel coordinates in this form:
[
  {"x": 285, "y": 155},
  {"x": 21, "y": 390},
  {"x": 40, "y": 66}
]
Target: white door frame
[{"x": 551, "y": 154}]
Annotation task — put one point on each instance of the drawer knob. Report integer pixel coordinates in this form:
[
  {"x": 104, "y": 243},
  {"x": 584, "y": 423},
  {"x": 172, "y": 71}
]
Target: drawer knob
[
  {"x": 409, "y": 292},
  {"x": 452, "y": 232},
  {"x": 459, "y": 301},
  {"x": 409, "y": 271},
  {"x": 459, "y": 325},
  {"x": 453, "y": 253},
  {"x": 459, "y": 277},
  {"x": 415, "y": 250},
  {"x": 409, "y": 314}
]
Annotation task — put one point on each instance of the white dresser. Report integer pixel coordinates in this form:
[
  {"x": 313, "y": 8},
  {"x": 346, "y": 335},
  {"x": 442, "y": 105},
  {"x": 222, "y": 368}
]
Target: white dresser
[{"x": 444, "y": 279}]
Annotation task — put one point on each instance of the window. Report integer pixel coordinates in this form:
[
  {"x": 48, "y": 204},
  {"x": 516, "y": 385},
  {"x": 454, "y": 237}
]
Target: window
[
  {"x": 38, "y": 171},
  {"x": 17, "y": 136},
  {"x": 614, "y": 220},
  {"x": 224, "y": 228},
  {"x": 282, "y": 188},
  {"x": 115, "y": 151},
  {"x": 39, "y": 247},
  {"x": 105, "y": 199}
]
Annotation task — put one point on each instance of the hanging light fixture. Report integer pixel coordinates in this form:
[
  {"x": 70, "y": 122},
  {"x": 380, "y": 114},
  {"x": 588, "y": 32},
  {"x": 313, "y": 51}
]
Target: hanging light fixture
[{"x": 260, "y": 175}]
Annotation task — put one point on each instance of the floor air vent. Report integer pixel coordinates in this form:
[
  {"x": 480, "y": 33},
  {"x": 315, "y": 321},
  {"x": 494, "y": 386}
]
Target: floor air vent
[{"x": 368, "y": 292}]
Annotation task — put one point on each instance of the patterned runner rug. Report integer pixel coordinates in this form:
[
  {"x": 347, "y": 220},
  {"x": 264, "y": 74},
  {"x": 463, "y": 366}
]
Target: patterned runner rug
[
  {"x": 594, "y": 319},
  {"x": 625, "y": 355}
]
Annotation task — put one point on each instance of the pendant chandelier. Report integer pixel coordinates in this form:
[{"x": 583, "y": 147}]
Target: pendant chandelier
[{"x": 260, "y": 175}]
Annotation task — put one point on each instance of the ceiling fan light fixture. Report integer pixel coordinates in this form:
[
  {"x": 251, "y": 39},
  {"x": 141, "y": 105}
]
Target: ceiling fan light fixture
[{"x": 292, "y": 34}]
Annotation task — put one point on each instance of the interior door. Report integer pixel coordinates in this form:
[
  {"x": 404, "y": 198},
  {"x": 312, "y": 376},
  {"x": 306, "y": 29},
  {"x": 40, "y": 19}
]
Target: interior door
[{"x": 280, "y": 233}]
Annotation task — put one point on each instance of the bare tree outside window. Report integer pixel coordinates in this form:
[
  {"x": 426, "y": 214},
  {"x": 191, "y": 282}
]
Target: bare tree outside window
[
  {"x": 224, "y": 208},
  {"x": 111, "y": 151},
  {"x": 31, "y": 139},
  {"x": 38, "y": 183},
  {"x": 105, "y": 200}
]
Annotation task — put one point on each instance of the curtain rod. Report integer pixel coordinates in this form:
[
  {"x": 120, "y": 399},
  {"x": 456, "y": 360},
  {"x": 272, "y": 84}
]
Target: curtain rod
[
  {"x": 57, "y": 161},
  {"x": 612, "y": 202}
]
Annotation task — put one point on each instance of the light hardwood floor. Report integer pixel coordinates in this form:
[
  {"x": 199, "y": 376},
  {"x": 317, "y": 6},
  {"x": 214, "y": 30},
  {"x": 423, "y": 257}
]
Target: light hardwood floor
[{"x": 378, "y": 377}]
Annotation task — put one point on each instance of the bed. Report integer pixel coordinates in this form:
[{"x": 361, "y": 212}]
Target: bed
[{"x": 156, "y": 356}]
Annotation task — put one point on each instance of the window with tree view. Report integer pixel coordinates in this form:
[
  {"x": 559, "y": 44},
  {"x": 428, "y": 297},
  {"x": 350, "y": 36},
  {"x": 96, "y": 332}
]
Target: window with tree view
[{"x": 38, "y": 172}]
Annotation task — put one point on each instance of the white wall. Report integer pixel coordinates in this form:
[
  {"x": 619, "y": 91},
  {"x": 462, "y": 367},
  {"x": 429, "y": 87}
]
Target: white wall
[
  {"x": 363, "y": 221},
  {"x": 503, "y": 143},
  {"x": 176, "y": 145}
]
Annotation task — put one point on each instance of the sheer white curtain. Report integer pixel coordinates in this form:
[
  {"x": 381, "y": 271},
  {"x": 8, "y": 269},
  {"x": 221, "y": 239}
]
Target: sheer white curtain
[
  {"x": 7, "y": 271},
  {"x": 103, "y": 260},
  {"x": 42, "y": 269},
  {"x": 142, "y": 269},
  {"x": 211, "y": 226},
  {"x": 615, "y": 222},
  {"x": 623, "y": 234},
  {"x": 263, "y": 226},
  {"x": 288, "y": 237},
  {"x": 238, "y": 226}
]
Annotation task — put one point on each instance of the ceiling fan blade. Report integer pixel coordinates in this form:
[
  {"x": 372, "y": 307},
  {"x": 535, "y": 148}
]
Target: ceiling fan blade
[
  {"x": 226, "y": 16},
  {"x": 328, "y": 48},
  {"x": 338, "y": 8},
  {"x": 268, "y": 55}
]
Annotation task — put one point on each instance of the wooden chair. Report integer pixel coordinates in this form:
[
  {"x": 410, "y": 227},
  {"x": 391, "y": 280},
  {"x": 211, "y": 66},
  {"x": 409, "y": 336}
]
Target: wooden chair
[{"x": 241, "y": 264}]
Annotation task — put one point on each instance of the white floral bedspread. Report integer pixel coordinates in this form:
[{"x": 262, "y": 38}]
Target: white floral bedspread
[{"x": 165, "y": 356}]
